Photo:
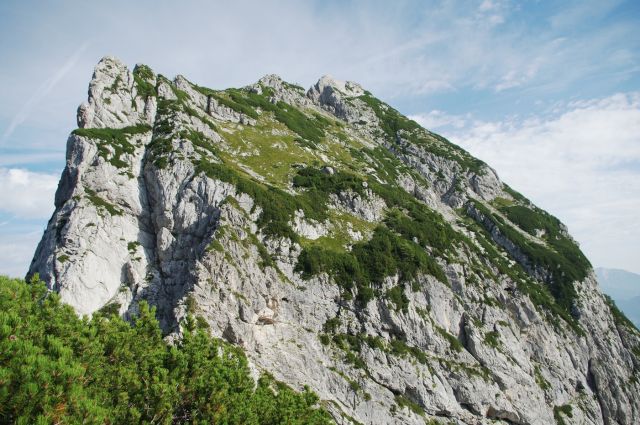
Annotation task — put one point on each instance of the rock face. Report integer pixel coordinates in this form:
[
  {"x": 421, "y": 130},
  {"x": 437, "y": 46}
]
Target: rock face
[{"x": 342, "y": 246}]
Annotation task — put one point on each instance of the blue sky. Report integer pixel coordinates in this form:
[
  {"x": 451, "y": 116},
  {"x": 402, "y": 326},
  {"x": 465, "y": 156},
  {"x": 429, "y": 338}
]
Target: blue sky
[{"x": 546, "y": 92}]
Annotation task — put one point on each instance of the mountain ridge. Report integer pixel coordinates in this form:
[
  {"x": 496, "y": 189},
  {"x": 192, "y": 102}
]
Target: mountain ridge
[{"x": 400, "y": 276}]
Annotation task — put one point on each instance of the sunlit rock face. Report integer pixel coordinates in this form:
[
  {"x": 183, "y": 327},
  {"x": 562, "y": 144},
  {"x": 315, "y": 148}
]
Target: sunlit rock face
[{"x": 341, "y": 246}]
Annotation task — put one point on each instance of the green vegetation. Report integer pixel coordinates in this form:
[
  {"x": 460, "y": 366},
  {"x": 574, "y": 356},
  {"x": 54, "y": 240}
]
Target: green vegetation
[
  {"x": 558, "y": 411},
  {"x": 246, "y": 102},
  {"x": 132, "y": 247},
  {"x": 575, "y": 265},
  {"x": 221, "y": 97},
  {"x": 324, "y": 339},
  {"x": 368, "y": 263},
  {"x": 63, "y": 258},
  {"x": 399, "y": 347},
  {"x": 396, "y": 247},
  {"x": 190, "y": 304},
  {"x": 392, "y": 243},
  {"x": 500, "y": 202},
  {"x": 58, "y": 368},
  {"x": 492, "y": 339},
  {"x": 355, "y": 386},
  {"x": 101, "y": 204},
  {"x": 269, "y": 148},
  {"x": 395, "y": 126},
  {"x": 426, "y": 227},
  {"x": 351, "y": 345},
  {"x": 142, "y": 75},
  {"x": 542, "y": 383},
  {"x": 387, "y": 166},
  {"x": 215, "y": 245},
  {"x": 319, "y": 185},
  {"x": 161, "y": 147},
  {"x": 294, "y": 87},
  {"x": 454, "y": 344},
  {"x": 310, "y": 128},
  {"x": 562, "y": 261},
  {"x": 110, "y": 309},
  {"x": 538, "y": 293},
  {"x": 116, "y": 139},
  {"x": 331, "y": 325},
  {"x": 165, "y": 128},
  {"x": 278, "y": 207},
  {"x": 531, "y": 220},
  {"x": 116, "y": 84},
  {"x": 402, "y": 402},
  {"x": 398, "y": 298},
  {"x": 516, "y": 195},
  {"x": 618, "y": 316},
  {"x": 342, "y": 228}
]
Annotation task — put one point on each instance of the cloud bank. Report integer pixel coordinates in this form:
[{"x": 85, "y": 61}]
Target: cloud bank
[
  {"x": 27, "y": 194},
  {"x": 582, "y": 164}
]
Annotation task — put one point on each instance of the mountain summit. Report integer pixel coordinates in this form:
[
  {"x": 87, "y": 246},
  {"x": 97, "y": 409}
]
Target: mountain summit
[{"x": 342, "y": 246}]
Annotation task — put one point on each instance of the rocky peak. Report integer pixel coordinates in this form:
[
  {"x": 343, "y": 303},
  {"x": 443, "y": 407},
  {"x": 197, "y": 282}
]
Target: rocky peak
[
  {"x": 341, "y": 99},
  {"x": 342, "y": 246},
  {"x": 327, "y": 83},
  {"x": 116, "y": 96},
  {"x": 272, "y": 80},
  {"x": 280, "y": 90}
]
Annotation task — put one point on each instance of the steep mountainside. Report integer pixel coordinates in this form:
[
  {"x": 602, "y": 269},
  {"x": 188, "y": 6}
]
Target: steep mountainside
[{"x": 341, "y": 246}]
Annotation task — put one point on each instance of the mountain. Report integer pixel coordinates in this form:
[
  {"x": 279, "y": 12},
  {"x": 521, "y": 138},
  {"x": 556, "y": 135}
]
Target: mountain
[
  {"x": 619, "y": 284},
  {"x": 341, "y": 246},
  {"x": 624, "y": 288},
  {"x": 631, "y": 308}
]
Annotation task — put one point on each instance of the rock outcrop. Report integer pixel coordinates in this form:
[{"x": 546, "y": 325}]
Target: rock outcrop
[{"x": 342, "y": 246}]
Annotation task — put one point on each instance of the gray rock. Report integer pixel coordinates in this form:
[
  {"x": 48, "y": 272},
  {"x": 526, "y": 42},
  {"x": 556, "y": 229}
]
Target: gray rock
[{"x": 474, "y": 350}]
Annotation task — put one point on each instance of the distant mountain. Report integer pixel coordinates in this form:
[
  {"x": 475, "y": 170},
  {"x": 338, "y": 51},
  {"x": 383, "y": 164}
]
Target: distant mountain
[
  {"x": 624, "y": 288},
  {"x": 631, "y": 308}
]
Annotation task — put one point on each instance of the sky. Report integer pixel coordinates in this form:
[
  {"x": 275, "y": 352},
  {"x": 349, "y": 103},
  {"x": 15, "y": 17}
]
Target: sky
[{"x": 546, "y": 92}]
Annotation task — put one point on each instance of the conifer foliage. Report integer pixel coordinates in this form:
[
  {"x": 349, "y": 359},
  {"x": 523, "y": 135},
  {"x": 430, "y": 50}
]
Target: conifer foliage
[{"x": 58, "y": 368}]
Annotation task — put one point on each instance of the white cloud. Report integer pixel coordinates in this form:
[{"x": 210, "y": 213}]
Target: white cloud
[
  {"x": 492, "y": 12},
  {"x": 582, "y": 165},
  {"x": 27, "y": 194},
  {"x": 437, "y": 119},
  {"x": 16, "y": 251}
]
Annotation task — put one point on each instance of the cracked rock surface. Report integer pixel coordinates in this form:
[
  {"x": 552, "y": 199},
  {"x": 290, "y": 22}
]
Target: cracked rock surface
[{"x": 138, "y": 217}]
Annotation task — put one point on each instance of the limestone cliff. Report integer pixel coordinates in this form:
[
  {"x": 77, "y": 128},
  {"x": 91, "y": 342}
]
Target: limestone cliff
[{"x": 342, "y": 246}]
